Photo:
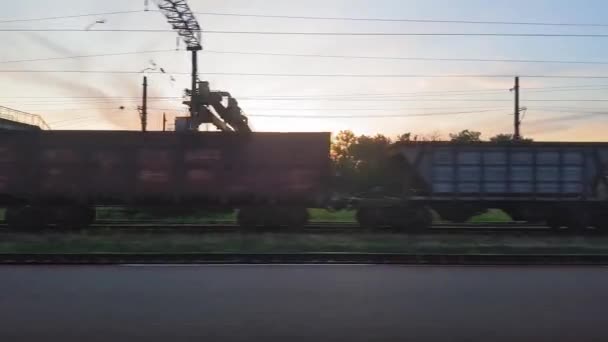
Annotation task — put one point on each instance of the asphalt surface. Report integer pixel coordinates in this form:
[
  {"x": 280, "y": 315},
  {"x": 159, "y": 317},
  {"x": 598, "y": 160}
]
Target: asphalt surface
[{"x": 303, "y": 303}]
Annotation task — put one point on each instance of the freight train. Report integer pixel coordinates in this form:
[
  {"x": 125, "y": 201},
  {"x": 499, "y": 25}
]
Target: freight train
[
  {"x": 57, "y": 177},
  {"x": 562, "y": 184}
]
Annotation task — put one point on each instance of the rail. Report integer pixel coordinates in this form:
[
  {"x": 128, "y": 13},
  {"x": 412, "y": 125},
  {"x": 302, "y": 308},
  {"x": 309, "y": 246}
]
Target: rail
[
  {"x": 302, "y": 258},
  {"x": 23, "y": 117},
  {"x": 159, "y": 227}
]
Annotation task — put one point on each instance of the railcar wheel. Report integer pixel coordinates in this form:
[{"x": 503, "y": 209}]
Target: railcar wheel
[
  {"x": 248, "y": 217},
  {"x": 73, "y": 216},
  {"x": 457, "y": 212},
  {"x": 600, "y": 220},
  {"x": 296, "y": 217},
  {"x": 410, "y": 219},
  {"x": 421, "y": 219},
  {"x": 554, "y": 222},
  {"x": 272, "y": 217},
  {"x": 26, "y": 217},
  {"x": 456, "y": 216},
  {"x": 369, "y": 217},
  {"x": 578, "y": 222}
]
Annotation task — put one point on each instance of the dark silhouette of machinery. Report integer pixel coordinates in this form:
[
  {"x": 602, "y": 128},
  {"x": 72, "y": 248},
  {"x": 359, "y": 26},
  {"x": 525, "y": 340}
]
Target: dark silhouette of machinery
[
  {"x": 216, "y": 107},
  {"x": 206, "y": 106}
]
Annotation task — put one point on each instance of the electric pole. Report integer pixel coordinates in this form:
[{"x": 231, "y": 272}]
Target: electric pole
[
  {"x": 516, "y": 122},
  {"x": 143, "y": 115}
]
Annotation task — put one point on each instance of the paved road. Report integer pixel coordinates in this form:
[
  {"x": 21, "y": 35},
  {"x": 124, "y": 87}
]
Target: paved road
[{"x": 303, "y": 303}]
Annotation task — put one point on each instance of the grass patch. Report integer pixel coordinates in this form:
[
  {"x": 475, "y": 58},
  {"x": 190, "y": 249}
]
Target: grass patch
[
  {"x": 191, "y": 216},
  {"x": 112, "y": 213},
  {"x": 108, "y": 241},
  {"x": 323, "y": 215},
  {"x": 316, "y": 215},
  {"x": 492, "y": 215}
]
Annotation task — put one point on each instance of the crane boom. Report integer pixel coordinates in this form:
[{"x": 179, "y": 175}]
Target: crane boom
[
  {"x": 228, "y": 118},
  {"x": 183, "y": 21}
]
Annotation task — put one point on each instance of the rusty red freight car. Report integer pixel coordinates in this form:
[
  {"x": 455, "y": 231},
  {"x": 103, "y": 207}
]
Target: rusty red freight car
[{"x": 48, "y": 176}]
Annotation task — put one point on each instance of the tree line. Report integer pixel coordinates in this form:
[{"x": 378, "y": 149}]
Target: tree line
[{"x": 360, "y": 161}]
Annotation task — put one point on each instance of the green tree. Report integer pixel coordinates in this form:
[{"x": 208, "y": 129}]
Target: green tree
[
  {"x": 507, "y": 138},
  {"x": 341, "y": 145},
  {"x": 406, "y": 137},
  {"x": 370, "y": 155},
  {"x": 433, "y": 136},
  {"x": 466, "y": 136},
  {"x": 502, "y": 137},
  {"x": 360, "y": 162},
  {"x": 342, "y": 160}
]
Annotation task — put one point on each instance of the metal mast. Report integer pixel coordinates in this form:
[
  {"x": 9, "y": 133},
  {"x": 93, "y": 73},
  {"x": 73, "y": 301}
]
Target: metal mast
[
  {"x": 184, "y": 22},
  {"x": 206, "y": 106}
]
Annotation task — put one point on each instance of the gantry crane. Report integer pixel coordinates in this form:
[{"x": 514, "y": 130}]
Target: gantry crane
[{"x": 206, "y": 106}]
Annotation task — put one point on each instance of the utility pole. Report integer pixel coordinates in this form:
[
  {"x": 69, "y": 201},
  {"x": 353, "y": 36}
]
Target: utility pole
[
  {"x": 194, "y": 80},
  {"x": 517, "y": 121},
  {"x": 144, "y": 106},
  {"x": 164, "y": 122}
]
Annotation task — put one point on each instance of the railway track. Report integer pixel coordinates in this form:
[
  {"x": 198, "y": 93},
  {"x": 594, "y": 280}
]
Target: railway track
[
  {"x": 301, "y": 258},
  {"x": 149, "y": 226}
]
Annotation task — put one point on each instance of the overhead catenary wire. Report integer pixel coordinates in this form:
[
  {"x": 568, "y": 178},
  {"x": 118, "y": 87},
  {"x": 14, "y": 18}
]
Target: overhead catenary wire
[
  {"x": 371, "y": 116},
  {"x": 323, "y": 56},
  {"x": 473, "y": 93},
  {"x": 134, "y": 72},
  {"x": 86, "y": 56},
  {"x": 317, "y": 109},
  {"x": 450, "y": 92},
  {"x": 18, "y": 20},
  {"x": 402, "y": 58},
  {"x": 366, "y": 116},
  {"x": 410, "y": 20},
  {"x": 313, "y": 33},
  {"x": 325, "y": 18},
  {"x": 351, "y": 100}
]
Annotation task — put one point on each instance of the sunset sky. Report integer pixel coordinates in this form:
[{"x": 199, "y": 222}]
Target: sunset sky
[{"x": 557, "y": 108}]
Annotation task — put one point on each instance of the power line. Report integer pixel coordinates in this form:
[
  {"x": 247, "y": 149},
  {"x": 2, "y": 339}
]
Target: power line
[
  {"x": 314, "y": 75},
  {"x": 587, "y": 111},
  {"x": 68, "y": 16},
  {"x": 368, "y": 116},
  {"x": 461, "y": 100},
  {"x": 301, "y": 33},
  {"x": 82, "y": 30},
  {"x": 411, "y": 20},
  {"x": 481, "y": 91},
  {"x": 405, "y": 75},
  {"x": 243, "y": 99},
  {"x": 86, "y": 71},
  {"x": 248, "y": 109},
  {"x": 566, "y": 100},
  {"x": 484, "y": 22},
  {"x": 347, "y": 109},
  {"x": 397, "y": 58},
  {"x": 87, "y": 97},
  {"x": 563, "y": 108},
  {"x": 324, "y": 95},
  {"x": 406, "y": 34},
  {"x": 85, "y": 56}
]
